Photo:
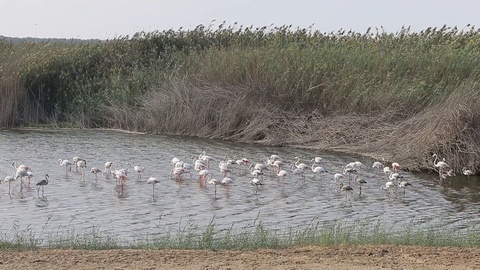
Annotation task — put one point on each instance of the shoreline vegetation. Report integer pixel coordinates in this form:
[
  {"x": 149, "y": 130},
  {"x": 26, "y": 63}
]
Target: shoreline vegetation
[
  {"x": 399, "y": 96},
  {"x": 190, "y": 236}
]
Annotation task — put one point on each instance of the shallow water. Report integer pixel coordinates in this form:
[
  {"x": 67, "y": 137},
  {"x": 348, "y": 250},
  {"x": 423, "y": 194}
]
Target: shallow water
[{"x": 73, "y": 204}]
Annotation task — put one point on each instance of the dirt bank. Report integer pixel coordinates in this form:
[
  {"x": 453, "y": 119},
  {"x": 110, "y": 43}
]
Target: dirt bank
[{"x": 312, "y": 257}]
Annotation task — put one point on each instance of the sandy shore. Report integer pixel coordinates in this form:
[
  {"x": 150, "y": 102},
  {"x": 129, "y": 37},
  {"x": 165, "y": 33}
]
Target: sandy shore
[{"x": 311, "y": 257}]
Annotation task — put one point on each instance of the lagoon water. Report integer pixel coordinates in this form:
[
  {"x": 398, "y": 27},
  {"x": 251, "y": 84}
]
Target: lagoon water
[{"x": 75, "y": 205}]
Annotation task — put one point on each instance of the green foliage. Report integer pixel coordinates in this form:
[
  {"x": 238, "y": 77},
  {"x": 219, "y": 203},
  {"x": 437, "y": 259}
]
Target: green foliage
[{"x": 255, "y": 236}]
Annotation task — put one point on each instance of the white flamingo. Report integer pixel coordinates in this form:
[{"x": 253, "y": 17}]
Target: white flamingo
[
  {"x": 467, "y": 172},
  {"x": 139, "y": 170},
  {"x": 256, "y": 182},
  {"x": 9, "y": 179},
  {"x": 75, "y": 161},
  {"x": 213, "y": 181},
  {"x": 282, "y": 173},
  {"x": 202, "y": 176},
  {"x": 178, "y": 172},
  {"x": 318, "y": 169},
  {"x": 379, "y": 166},
  {"x": 67, "y": 163},
  {"x": 317, "y": 160},
  {"x": 108, "y": 167},
  {"x": 153, "y": 181},
  {"x": 300, "y": 165},
  {"x": 440, "y": 165},
  {"x": 226, "y": 181}
]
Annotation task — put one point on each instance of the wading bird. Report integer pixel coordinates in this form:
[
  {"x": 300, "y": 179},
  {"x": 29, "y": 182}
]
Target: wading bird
[
  {"x": 256, "y": 182},
  {"x": 139, "y": 170},
  {"x": 153, "y": 181},
  {"x": 213, "y": 181},
  {"x": 42, "y": 184},
  {"x": 395, "y": 167},
  {"x": 346, "y": 188},
  {"x": 404, "y": 184},
  {"x": 95, "y": 171},
  {"x": 467, "y": 172},
  {"x": 440, "y": 165},
  {"x": 9, "y": 179},
  {"x": 360, "y": 182},
  {"x": 67, "y": 163}
]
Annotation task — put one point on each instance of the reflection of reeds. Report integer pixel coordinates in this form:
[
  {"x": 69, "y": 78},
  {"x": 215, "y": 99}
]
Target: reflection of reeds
[
  {"x": 399, "y": 96},
  {"x": 257, "y": 235}
]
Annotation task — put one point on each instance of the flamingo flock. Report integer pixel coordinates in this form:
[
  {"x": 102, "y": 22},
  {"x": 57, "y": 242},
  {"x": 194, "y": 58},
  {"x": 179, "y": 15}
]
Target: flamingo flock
[{"x": 346, "y": 179}]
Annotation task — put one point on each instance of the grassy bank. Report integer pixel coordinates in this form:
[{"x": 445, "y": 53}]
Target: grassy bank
[
  {"x": 400, "y": 96},
  {"x": 256, "y": 236}
]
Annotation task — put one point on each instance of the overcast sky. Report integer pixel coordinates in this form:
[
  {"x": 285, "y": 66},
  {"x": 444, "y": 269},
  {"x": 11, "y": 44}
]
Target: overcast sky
[{"x": 107, "y": 19}]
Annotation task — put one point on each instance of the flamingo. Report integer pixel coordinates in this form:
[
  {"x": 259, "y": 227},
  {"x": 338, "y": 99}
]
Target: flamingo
[
  {"x": 317, "y": 160},
  {"x": 174, "y": 160},
  {"x": 360, "y": 183},
  {"x": 395, "y": 166},
  {"x": 82, "y": 164},
  {"x": 226, "y": 181},
  {"x": 282, "y": 173},
  {"x": 447, "y": 175},
  {"x": 224, "y": 168},
  {"x": 108, "y": 167},
  {"x": 255, "y": 172},
  {"x": 139, "y": 170},
  {"x": 378, "y": 165},
  {"x": 256, "y": 182},
  {"x": 95, "y": 171},
  {"x": 178, "y": 172},
  {"x": 394, "y": 176},
  {"x": 467, "y": 172},
  {"x": 346, "y": 188},
  {"x": 277, "y": 165},
  {"x": 337, "y": 177},
  {"x": 21, "y": 167},
  {"x": 404, "y": 184},
  {"x": 243, "y": 162},
  {"x": 297, "y": 171},
  {"x": 350, "y": 171},
  {"x": 203, "y": 174},
  {"x": 9, "y": 179},
  {"x": 318, "y": 169},
  {"x": 67, "y": 163},
  {"x": 200, "y": 164},
  {"x": 153, "y": 181},
  {"x": 213, "y": 181},
  {"x": 22, "y": 173},
  {"x": 388, "y": 185},
  {"x": 206, "y": 158},
  {"x": 121, "y": 177},
  {"x": 299, "y": 165},
  {"x": 42, "y": 184},
  {"x": 75, "y": 161},
  {"x": 440, "y": 165}
]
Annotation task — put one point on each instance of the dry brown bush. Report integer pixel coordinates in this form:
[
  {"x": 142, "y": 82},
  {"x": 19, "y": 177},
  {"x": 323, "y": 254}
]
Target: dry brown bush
[{"x": 449, "y": 129}]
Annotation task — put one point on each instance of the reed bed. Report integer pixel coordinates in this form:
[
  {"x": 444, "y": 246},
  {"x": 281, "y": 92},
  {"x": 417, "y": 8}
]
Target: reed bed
[
  {"x": 400, "y": 96},
  {"x": 256, "y": 236}
]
